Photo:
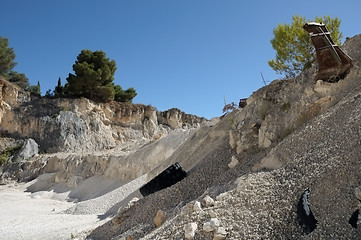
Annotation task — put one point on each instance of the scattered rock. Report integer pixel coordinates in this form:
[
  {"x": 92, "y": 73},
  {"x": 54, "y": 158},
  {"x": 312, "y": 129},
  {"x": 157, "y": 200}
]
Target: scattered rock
[
  {"x": 190, "y": 230},
  {"x": 187, "y": 209},
  {"x": 207, "y": 227},
  {"x": 160, "y": 218},
  {"x": 208, "y": 201},
  {"x": 132, "y": 202},
  {"x": 358, "y": 193},
  {"x": 322, "y": 87},
  {"x": 197, "y": 206},
  {"x": 211, "y": 225},
  {"x": 233, "y": 162},
  {"x": 212, "y": 213},
  {"x": 221, "y": 196},
  {"x": 220, "y": 234}
]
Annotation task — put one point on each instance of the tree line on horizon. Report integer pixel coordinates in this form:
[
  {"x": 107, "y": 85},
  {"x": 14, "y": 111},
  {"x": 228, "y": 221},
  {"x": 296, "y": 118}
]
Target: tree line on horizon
[
  {"x": 93, "y": 77},
  {"x": 7, "y": 56}
]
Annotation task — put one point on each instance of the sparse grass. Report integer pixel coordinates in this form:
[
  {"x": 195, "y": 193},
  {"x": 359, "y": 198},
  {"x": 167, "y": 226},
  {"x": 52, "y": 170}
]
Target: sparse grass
[
  {"x": 7, "y": 153},
  {"x": 285, "y": 132},
  {"x": 232, "y": 121},
  {"x": 300, "y": 120},
  {"x": 263, "y": 110},
  {"x": 307, "y": 116},
  {"x": 285, "y": 106},
  {"x": 54, "y": 115}
]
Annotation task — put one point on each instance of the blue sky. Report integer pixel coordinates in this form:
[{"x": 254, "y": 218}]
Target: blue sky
[{"x": 188, "y": 54}]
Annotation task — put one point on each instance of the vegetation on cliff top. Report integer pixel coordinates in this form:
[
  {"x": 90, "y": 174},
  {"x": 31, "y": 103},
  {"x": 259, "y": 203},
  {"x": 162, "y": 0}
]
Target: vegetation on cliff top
[
  {"x": 7, "y": 63},
  {"x": 93, "y": 77}
]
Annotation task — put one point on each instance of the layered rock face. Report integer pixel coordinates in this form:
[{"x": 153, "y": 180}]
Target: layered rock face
[
  {"x": 78, "y": 139},
  {"x": 79, "y": 125}
]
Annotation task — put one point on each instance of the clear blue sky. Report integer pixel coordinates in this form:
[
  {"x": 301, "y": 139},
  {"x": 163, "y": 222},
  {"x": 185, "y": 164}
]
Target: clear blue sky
[{"x": 187, "y": 54}]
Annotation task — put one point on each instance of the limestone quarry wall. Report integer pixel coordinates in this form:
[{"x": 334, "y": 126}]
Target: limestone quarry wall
[{"x": 80, "y": 125}]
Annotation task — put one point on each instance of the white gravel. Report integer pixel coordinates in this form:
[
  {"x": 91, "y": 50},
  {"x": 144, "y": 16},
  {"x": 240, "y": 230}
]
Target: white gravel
[
  {"x": 24, "y": 216},
  {"x": 48, "y": 215}
]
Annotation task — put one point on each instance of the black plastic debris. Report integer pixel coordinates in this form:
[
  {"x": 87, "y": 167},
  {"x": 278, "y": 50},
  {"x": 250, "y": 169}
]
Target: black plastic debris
[
  {"x": 304, "y": 213},
  {"x": 167, "y": 178},
  {"x": 354, "y": 218}
]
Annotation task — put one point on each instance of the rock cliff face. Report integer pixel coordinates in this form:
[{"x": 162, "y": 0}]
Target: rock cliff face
[
  {"x": 79, "y": 139},
  {"x": 79, "y": 125}
]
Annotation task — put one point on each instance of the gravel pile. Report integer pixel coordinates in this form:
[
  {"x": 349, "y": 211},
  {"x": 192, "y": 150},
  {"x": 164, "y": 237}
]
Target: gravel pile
[{"x": 322, "y": 155}]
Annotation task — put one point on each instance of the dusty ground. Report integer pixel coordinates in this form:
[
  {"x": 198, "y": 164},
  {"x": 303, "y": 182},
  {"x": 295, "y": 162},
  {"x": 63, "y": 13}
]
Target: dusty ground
[
  {"x": 52, "y": 214},
  {"x": 39, "y": 216}
]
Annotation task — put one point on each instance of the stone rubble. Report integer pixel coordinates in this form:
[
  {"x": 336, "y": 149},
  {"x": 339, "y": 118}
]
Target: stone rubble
[
  {"x": 190, "y": 230},
  {"x": 160, "y": 218}
]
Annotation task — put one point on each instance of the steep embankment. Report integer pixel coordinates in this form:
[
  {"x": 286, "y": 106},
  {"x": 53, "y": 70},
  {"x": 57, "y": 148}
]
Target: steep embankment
[{"x": 291, "y": 135}]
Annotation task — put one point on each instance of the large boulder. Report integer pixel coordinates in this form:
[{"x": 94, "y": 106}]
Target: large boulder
[{"x": 29, "y": 149}]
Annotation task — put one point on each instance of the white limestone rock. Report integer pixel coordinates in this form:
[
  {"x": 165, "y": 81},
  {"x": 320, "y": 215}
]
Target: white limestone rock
[
  {"x": 208, "y": 201},
  {"x": 220, "y": 234},
  {"x": 197, "y": 207},
  {"x": 211, "y": 225},
  {"x": 358, "y": 193},
  {"x": 190, "y": 230},
  {"x": 233, "y": 163},
  {"x": 29, "y": 149}
]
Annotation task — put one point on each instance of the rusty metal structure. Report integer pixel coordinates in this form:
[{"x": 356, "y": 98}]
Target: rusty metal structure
[{"x": 333, "y": 63}]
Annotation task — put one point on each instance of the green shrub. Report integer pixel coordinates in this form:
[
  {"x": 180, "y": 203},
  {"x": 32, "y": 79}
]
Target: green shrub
[
  {"x": 285, "y": 132},
  {"x": 286, "y": 106},
  {"x": 263, "y": 110},
  {"x": 7, "y": 153},
  {"x": 307, "y": 115}
]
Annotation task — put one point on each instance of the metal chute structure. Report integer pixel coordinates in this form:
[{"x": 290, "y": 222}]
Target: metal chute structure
[{"x": 333, "y": 63}]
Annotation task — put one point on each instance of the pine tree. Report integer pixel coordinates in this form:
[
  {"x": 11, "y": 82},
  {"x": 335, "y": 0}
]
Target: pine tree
[
  {"x": 294, "y": 49},
  {"x": 93, "y": 74},
  {"x": 59, "y": 90},
  {"x": 19, "y": 79},
  {"x": 7, "y": 56},
  {"x": 124, "y": 96},
  {"x": 35, "y": 89},
  {"x": 93, "y": 79}
]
